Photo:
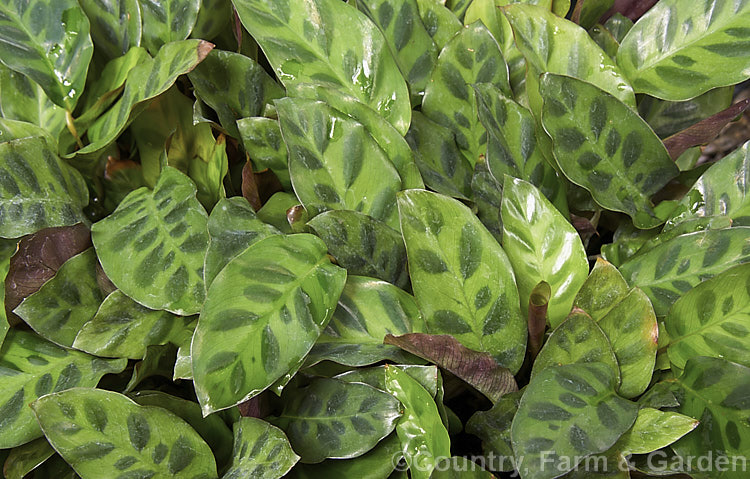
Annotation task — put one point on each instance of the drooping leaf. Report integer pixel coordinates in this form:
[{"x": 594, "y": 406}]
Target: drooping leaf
[
  {"x": 467, "y": 291},
  {"x": 260, "y": 450},
  {"x": 542, "y": 246},
  {"x": 654, "y": 429},
  {"x": 567, "y": 413},
  {"x": 603, "y": 289},
  {"x": 487, "y": 193},
  {"x": 22, "y": 99},
  {"x": 232, "y": 228},
  {"x": 330, "y": 157},
  {"x": 669, "y": 117},
  {"x": 669, "y": 61},
  {"x": 113, "y": 432},
  {"x": 26, "y": 206},
  {"x": 472, "y": 56},
  {"x": 423, "y": 436},
  {"x": 166, "y": 21},
  {"x": 493, "y": 428},
  {"x": 266, "y": 307},
  {"x": 116, "y": 25},
  {"x": 66, "y": 302},
  {"x": 165, "y": 227},
  {"x": 262, "y": 140},
  {"x": 363, "y": 245},
  {"x": 50, "y": 44},
  {"x": 337, "y": 419},
  {"x": 605, "y": 147},
  {"x": 32, "y": 367},
  {"x": 441, "y": 23},
  {"x": 670, "y": 269},
  {"x": 24, "y": 459},
  {"x": 302, "y": 42}
]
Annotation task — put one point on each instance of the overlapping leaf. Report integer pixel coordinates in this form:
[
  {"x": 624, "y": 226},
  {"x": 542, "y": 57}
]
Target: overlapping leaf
[
  {"x": 493, "y": 428},
  {"x": 114, "y": 433},
  {"x": 487, "y": 193},
  {"x": 116, "y": 25},
  {"x": 32, "y": 367},
  {"x": 375, "y": 376},
  {"x": 603, "y": 289},
  {"x": 262, "y": 140},
  {"x": 166, "y": 21},
  {"x": 677, "y": 53},
  {"x": 669, "y": 117},
  {"x": 267, "y": 307},
  {"x": 604, "y": 146},
  {"x": 654, "y": 429},
  {"x": 303, "y": 43},
  {"x": 4, "y": 265},
  {"x": 22, "y": 99},
  {"x": 462, "y": 279},
  {"x": 22, "y": 460},
  {"x": 260, "y": 450}
]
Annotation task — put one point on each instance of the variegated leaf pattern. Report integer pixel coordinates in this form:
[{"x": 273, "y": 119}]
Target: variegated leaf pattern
[
  {"x": 440, "y": 22},
  {"x": 66, "y": 302},
  {"x": 115, "y": 433},
  {"x": 235, "y": 86},
  {"x": 214, "y": 18},
  {"x": 654, "y": 429},
  {"x": 146, "y": 81},
  {"x": 50, "y": 44},
  {"x": 677, "y": 53},
  {"x": 260, "y": 450},
  {"x": 363, "y": 245},
  {"x": 670, "y": 117},
  {"x": 22, "y": 460},
  {"x": 330, "y": 157},
  {"x": 619, "y": 26},
  {"x": 605, "y": 147},
  {"x": 542, "y": 246},
  {"x": 164, "y": 227},
  {"x": 493, "y": 428},
  {"x": 567, "y": 413},
  {"x": 26, "y": 207},
  {"x": 669, "y": 270},
  {"x": 232, "y": 228},
  {"x": 368, "y": 310},
  {"x": 16, "y": 130},
  {"x": 440, "y": 162},
  {"x": 462, "y": 279},
  {"x": 602, "y": 290},
  {"x": 406, "y": 35},
  {"x": 472, "y": 56},
  {"x": 4, "y": 326},
  {"x": 166, "y": 21},
  {"x": 122, "y": 328},
  {"x": 32, "y": 367},
  {"x": 375, "y": 376},
  {"x": 487, "y": 193},
  {"x": 262, "y": 140},
  {"x": 375, "y": 464},
  {"x": 712, "y": 319},
  {"x": 267, "y": 308},
  {"x": 302, "y": 45},
  {"x": 24, "y": 100},
  {"x": 331, "y": 418},
  {"x": 116, "y": 25}
]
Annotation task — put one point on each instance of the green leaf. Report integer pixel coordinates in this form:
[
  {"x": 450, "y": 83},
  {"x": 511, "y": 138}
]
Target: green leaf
[
  {"x": 167, "y": 21},
  {"x": 493, "y": 428},
  {"x": 670, "y": 117},
  {"x": 605, "y": 147},
  {"x": 669, "y": 61},
  {"x": 26, "y": 207},
  {"x": 542, "y": 246},
  {"x": 467, "y": 291},
  {"x": 4, "y": 265},
  {"x": 114, "y": 433},
  {"x": 472, "y": 56},
  {"x": 427, "y": 376},
  {"x": 711, "y": 320},
  {"x": 214, "y": 18},
  {"x": 578, "y": 340},
  {"x": 363, "y": 245},
  {"x": 619, "y": 25},
  {"x": 55, "y": 468},
  {"x": 567, "y": 413},
  {"x": 441, "y": 23},
  {"x": 115, "y": 25},
  {"x": 670, "y": 269},
  {"x": 274, "y": 212},
  {"x": 305, "y": 41},
  {"x": 262, "y": 140},
  {"x": 266, "y": 308},
  {"x": 232, "y": 228},
  {"x": 260, "y": 450},
  {"x": 158, "y": 361},
  {"x": 22, "y": 460},
  {"x": 22, "y": 99},
  {"x": 235, "y": 86},
  {"x": 603, "y": 289},
  {"x": 50, "y": 44},
  {"x": 588, "y": 13},
  {"x": 487, "y": 193},
  {"x": 32, "y": 367},
  {"x": 423, "y": 436},
  {"x": 440, "y": 162},
  {"x": 368, "y": 310},
  {"x": 164, "y": 227},
  {"x": 654, "y": 429},
  {"x": 337, "y": 419},
  {"x": 122, "y": 328},
  {"x": 66, "y": 302},
  {"x": 407, "y": 37},
  {"x": 330, "y": 157}
]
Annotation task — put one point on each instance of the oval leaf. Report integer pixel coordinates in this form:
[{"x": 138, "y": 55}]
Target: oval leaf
[
  {"x": 260, "y": 450},
  {"x": 654, "y": 429},
  {"x": 602, "y": 290}
]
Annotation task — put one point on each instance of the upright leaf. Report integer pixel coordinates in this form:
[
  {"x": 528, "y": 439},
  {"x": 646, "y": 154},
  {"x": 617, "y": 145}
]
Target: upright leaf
[
  {"x": 262, "y": 140},
  {"x": 441, "y": 23},
  {"x": 603, "y": 289},
  {"x": 50, "y": 44},
  {"x": 467, "y": 291},
  {"x": 164, "y": 227},
  {"x": 260, "y": 450},
  {"x": 305, "y": 41},
  {"x": 266, "y": 307},
  {"x": 167, "y": 21},
  {"x": 24, "y": 100},
  {"x": 116, "y": 25},
  {"x": 605, "y": 147},
  {"x": 487, "y": 193}
]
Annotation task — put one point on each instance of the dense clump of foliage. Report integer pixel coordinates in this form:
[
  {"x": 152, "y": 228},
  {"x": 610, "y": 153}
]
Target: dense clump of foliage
[{"x": 374, "y": 238}]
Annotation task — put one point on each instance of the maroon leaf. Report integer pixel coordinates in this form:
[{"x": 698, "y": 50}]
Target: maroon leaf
[
  {"x": 633, "y": 9},
  {"x": 704, "y": 131},
  {"x": 38, "y": 258},
  {"x": 478, "y": 369},
  {"x": 250, "y": 187},
  {"x": 538, "y": 302}
]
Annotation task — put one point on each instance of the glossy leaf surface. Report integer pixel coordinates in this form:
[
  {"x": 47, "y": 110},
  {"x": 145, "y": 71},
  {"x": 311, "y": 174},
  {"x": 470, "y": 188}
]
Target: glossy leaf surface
[
  {"x": 487, "y": 193},
  {"x": 22, "y": 460},
  {"x": 654, "y": 429},
  {"x": 669, "y": 117},
  {"x": 602, "y": 290},
  {"x": 462, "y": 279},
  {"x": 260, "y": 450},
  {"x": 167, "y": 21},
  {"x": 116, "y": 25},
  {"x": 24, "y": 100},
  {"x": 440, "y": 22},
  {"x": 261, "y": 138}
]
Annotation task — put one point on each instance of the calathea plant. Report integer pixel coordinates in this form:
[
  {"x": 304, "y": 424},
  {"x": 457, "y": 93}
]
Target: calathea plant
[{"x": 374, "y": 238}]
